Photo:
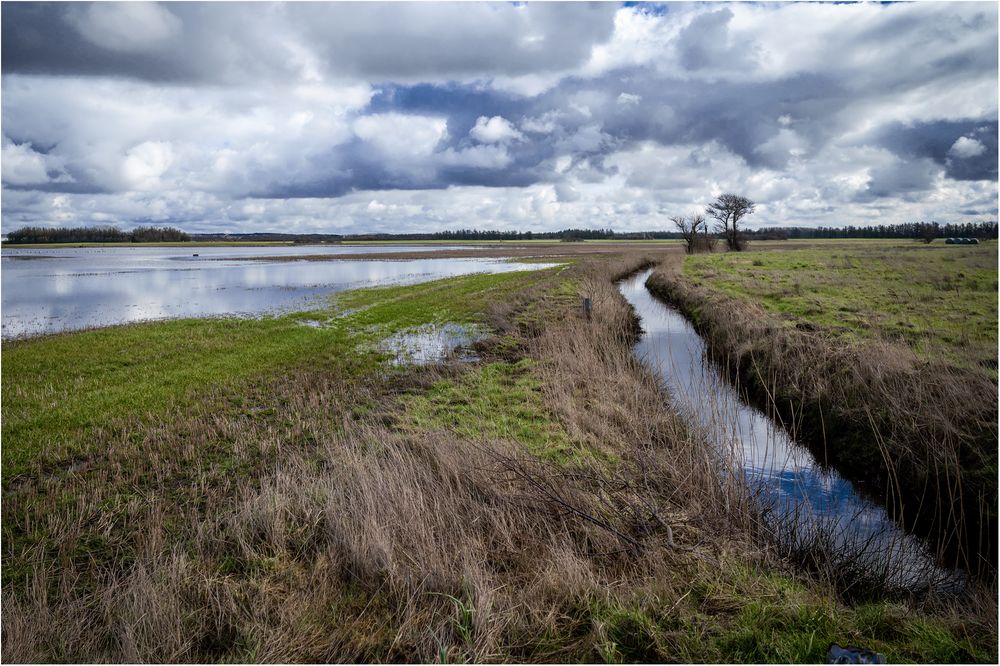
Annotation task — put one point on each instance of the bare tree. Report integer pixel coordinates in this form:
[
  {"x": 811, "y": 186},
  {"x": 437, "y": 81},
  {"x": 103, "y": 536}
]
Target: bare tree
[
  {"x": 689, "y": 228},
  {"x": 688, "y": 231},
  {"x": 728, "y": 210},
  {"x": 705, "y": 242}
]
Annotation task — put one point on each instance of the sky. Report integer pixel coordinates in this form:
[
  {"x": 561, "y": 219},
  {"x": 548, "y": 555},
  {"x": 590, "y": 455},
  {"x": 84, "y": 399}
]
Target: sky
[{"x": 420, "y": 117}]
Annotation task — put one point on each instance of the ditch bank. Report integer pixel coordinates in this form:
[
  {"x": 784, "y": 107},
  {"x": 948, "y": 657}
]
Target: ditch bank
[{"x": 919, "y": 435}]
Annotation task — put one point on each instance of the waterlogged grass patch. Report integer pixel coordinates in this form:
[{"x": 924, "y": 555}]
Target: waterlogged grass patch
[
  {"x": 497, "y": 400},
  {"x": 431, "y": 343},
  {"x": 940, "y": 300},
  {"x": 316, "y": 323},
  {"x": 461, "y": 300},
  {"x": 57, "y": 388}
]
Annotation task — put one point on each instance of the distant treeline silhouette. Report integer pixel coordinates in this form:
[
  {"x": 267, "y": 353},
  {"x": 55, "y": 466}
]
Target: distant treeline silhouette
[
  {"x": 96, "y": 235},
  {"x": 508, "y": 235},
  {"x": 905, "y": 230},
  {"x": 919, "y": 230},
  {"x": 916, "y": 230}
]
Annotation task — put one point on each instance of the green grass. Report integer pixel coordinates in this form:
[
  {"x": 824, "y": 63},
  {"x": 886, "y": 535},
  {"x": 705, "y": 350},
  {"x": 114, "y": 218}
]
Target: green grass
[
  {"x": 461, "y": 300},
  {"x": 743, "y": 615},
  {"x": 56, "y": 388},
  {"x": 940, "y": 300},
  {"x": 497, "y": 400}
]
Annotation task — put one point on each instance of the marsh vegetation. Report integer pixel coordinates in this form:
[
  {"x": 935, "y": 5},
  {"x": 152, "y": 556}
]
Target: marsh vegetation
[{"x": 264, "y": 490}]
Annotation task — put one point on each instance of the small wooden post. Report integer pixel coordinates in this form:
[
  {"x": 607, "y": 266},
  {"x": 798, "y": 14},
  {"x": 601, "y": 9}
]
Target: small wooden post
[{"x": 587, "y": 307}]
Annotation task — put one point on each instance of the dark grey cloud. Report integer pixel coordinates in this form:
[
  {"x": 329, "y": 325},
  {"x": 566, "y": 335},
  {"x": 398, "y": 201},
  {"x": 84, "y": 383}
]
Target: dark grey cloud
[
  {"x": 901, "y": 179},
  {"x": 707, "y": 43},
  {"x": 936, "y": 141},
  {"x": 205, "y": 42},
  {"x": 403, "y": 41},
  {"x": 45, "y": 38},
  {"x": 740, "y": 115},
  {"x": 671, "y": 112}
]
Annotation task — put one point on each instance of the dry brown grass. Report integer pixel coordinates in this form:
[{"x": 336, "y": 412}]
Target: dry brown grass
[{"x": 604, "y": 394}]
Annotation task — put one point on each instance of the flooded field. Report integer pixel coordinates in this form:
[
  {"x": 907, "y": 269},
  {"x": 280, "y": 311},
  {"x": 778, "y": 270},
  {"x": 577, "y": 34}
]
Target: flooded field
[{"x": 51, "y": 290}]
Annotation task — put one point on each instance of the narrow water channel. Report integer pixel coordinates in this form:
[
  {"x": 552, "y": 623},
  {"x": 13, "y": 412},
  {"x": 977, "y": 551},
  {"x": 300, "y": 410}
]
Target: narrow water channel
[{"x": 804, "y": 501}]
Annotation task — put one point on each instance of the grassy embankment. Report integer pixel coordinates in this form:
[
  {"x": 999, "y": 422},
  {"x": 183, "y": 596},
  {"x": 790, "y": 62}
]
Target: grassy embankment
[
  {"x": 266, "y": 491},
  {"x": 885, "y": 358}
]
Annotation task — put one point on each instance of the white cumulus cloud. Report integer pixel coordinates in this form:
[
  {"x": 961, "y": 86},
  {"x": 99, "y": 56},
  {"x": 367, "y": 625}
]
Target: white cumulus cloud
[
  {"x": 494, "y": 130},
  {"x": 401, "y": 134},
  {"x": 22, "y": 165},
  {"x": 966, "y": 147},
  {"x": 146, "y": 163},
  {"x": 127, "y": 26}
]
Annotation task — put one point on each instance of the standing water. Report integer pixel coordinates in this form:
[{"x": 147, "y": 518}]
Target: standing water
[
  {"x": 64, "y": 289},
  {"x": 804, "y": 502}
]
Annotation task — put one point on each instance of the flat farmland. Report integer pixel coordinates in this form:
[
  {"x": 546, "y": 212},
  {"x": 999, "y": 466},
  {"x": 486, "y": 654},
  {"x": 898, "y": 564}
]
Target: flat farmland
[{"x": 939, "y": 300}]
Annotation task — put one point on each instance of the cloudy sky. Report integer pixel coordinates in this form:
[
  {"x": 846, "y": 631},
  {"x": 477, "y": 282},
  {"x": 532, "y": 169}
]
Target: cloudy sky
[{"x": 346, "y": 118}]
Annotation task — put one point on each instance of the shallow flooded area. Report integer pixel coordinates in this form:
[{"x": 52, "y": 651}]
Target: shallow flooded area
[
  {"x": 60, "y": 289},
  {"x": 804, "y": 501},
  {"x": 432, "y": 343}
]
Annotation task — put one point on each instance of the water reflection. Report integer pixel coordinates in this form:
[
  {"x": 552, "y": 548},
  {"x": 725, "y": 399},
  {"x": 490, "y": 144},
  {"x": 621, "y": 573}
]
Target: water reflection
[
  {"x": 146, "y": 255},
  {"x": 75, "y": 288},
  {"x": 806, "y": 503}
]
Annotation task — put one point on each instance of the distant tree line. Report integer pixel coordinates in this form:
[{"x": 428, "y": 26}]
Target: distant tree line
[
  {"x": 915, "y": 230},
  {"x": 490, "y": 235},
  {"x": 105, "y": 234},
  {"x": 459, "y": 235}
]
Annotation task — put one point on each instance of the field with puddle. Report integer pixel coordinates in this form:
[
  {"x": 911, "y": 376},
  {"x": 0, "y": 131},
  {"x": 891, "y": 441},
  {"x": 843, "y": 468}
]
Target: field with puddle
[{"x": 455, "y": 462}]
